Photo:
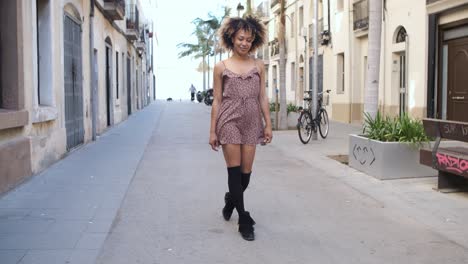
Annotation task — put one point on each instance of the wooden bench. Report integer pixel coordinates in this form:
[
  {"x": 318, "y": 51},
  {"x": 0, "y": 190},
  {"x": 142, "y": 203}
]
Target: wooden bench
[{"x": 452, "y": 161}]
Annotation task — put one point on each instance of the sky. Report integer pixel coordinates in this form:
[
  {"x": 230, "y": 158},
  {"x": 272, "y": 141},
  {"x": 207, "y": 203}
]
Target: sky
[{"x": 173, "y": 23}]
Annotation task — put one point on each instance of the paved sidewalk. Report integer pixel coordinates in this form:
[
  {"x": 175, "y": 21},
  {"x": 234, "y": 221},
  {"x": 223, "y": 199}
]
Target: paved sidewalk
[
  {"x": 64, "y": 214},
  {"x": 150, "y": 191}
]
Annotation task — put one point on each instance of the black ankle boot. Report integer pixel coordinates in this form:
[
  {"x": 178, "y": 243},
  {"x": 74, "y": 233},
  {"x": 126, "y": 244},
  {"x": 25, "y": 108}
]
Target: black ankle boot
[
  {"x": 228, "y": 207},
  {"x": 246, "y": 226}
]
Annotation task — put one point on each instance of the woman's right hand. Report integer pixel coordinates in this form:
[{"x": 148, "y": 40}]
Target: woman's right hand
[{"x": 214, "y": 142}]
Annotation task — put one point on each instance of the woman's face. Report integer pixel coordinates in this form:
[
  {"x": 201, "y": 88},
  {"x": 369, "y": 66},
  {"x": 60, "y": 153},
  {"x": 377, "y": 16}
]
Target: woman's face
[{"x": 243, "y": 42}]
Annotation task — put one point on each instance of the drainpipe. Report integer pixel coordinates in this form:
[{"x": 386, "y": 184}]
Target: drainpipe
[
  {"x": 328, "y": 16},
  {"x": 315, "y": 63},
  {"x": 406, "y": 72},
  {"x": 93, "y": 71},
  {"x": 384, "y": 29},
  {"x": 350, "y": 58}
]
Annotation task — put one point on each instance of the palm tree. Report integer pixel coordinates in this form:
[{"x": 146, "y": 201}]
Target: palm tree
[
  {"x": 214, "y": 23},
  {"x": 282, "y": 68},
  {"x": 199, "y": 50},
  {"x": 371, "y": 99},
  {"x": 248, "y": 10}
]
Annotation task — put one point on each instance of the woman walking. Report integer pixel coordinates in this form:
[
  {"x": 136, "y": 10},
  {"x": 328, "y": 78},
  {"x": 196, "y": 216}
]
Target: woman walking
[{"x": 239, "y": 104}]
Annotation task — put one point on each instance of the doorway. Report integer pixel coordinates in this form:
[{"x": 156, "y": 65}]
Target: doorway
[
  {"x": 108, "y": 83},
  {"x": 457, "y": 80},
  {"x": 129, "y": 87},
  {"x": 73, "y": 85}
]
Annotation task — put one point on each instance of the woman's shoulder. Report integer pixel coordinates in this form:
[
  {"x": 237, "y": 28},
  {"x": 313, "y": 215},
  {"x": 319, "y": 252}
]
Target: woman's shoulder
[
  {"x": 259, "y": 64},
  {"x": 220, "y": 66}
]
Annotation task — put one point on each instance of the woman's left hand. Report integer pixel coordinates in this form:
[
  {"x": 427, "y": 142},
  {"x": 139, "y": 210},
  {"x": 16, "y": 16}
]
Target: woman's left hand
[{"x": 268, "y": 135}]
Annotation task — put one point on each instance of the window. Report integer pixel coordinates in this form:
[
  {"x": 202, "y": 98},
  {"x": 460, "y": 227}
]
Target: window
[
  {"x": 301, "y": 17},
  {"x": 9, "y": 89},
  {"x": 11, "y": 93},
  {"x": 401, "y": 35},
  {"x": 340, "y": 70},
  {"x": 117, "y": 75},
  {"x": 293, "y": 76},
  {"x": 1, "y": 70},
  {"x": 275, "y": 81},
  {"x": 293, "y": 25},
  {"x": 44, "y": 53},
  {"x": 339, "y": 5}
]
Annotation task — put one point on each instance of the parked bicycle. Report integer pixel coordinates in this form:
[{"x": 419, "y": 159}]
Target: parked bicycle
[{"x": 306, "y": 124}]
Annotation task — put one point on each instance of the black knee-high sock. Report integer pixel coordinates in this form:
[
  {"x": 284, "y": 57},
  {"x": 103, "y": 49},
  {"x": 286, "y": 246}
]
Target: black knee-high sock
[
  {"x": 245, "y": 180},
  {"x": 235, "y": 188}
]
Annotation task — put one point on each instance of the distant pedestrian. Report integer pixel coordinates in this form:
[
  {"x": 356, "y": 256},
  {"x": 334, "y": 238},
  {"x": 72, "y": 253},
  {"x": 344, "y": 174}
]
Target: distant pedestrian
[
  {"x": 239, "y": 104},
  {"x": 192, "y": 92}
]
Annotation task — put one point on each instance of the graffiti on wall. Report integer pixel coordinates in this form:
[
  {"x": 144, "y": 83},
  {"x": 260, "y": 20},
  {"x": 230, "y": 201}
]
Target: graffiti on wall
[
  {"x": 450, "y": 163},
  {"x": 363, "y": 154}
]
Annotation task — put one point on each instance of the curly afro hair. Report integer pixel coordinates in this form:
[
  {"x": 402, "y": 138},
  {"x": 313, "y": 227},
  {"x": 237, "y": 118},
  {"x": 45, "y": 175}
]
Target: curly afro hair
[{"x": 250, "y": 24}]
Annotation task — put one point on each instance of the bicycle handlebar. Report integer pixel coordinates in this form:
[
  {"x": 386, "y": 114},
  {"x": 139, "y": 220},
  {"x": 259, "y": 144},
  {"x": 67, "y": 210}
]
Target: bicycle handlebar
[{"x": 326, "y": 91}]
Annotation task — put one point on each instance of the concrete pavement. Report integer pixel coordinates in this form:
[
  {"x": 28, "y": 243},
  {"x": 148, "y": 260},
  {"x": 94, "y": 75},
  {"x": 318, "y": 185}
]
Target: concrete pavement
[{"x": 151, "y": 191}]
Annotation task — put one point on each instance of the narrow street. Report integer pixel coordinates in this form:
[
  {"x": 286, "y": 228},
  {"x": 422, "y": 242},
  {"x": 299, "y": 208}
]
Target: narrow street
[{"x": 151, "y": 191}]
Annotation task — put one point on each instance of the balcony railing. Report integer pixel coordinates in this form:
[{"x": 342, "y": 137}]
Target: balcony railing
[
  {"x": 319, "y": 33},
  {"x": 274, "y": 47},
  {"x": 114, "y": 9},
  {"x": 133, "y": 23},
  {"x": 361, "y": 15},
  {"x": 140, "y": 45}
]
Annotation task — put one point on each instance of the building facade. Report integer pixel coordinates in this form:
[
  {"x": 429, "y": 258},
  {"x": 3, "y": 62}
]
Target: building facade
[
  {"x": 423, "y": 52},
  {"x": 65, "y": 79}
]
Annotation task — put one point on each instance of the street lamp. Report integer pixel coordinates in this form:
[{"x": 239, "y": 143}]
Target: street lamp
[{"x": 240, "y": 8}]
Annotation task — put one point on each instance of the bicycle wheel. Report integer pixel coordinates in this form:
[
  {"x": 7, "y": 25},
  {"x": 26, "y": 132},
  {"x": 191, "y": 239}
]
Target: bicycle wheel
[
  {"x": 324, "y": 124},
  {"x": 304, "y": 127}
]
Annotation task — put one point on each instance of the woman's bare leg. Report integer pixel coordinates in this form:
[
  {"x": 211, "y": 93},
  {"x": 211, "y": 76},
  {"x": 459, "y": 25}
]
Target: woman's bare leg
[
  {"x": 247, "y": 158},
  {"x": 232, "y": 155}
]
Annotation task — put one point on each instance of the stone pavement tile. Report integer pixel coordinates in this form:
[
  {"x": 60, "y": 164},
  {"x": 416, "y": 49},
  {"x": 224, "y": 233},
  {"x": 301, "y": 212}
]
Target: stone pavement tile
[
  {"x": 83, "y": 256},
  {"x": 70, "y": 213},
  {"x": 13, "y": 214},
  {"x": 99, "y": 226},
  {"x": 11, "y": 256},
  {"x": 105, "y": 214},
  {"x": 25, "y": 226},
  {"x": 25, "y": 202},
  {"x": 46, "y": 257},
  {"x": 50, "y": 241},
  {"x": 63, "y": 226},
  {"x": 91, "y": 241}
]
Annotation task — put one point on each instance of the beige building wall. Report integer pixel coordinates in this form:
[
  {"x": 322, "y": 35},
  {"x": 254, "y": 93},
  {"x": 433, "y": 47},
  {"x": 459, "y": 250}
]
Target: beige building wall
[{"x": 33, "y": 130}]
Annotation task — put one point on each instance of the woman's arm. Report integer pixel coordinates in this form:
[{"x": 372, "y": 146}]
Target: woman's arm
[
  {"x": 264, "y": 104},
  {"x": 217, "y": 98}
]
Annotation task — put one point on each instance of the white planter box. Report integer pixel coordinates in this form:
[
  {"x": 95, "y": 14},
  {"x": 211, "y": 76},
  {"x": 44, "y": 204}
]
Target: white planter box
[
  {"x": 386, "y": 160},
  {"x": 292, "y": 120}
]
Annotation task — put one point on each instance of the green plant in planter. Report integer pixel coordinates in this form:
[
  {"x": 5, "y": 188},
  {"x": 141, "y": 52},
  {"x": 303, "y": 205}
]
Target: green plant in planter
[
  {"x": 397, "y": 129},
  {"x": 273, "y": 106},
  {"x": 292, "y": 108}
]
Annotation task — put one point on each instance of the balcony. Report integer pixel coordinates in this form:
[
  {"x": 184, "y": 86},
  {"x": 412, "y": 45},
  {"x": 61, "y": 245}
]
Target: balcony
[
  {"x": 320, "y": 33},
  {"x": 140, "y": 46},
  {"x": 361, "y": 15},
  {"x": 114, "y": 9},
  {"x": 274, "y": 47},
  {"x": 133, "y": 23}
]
